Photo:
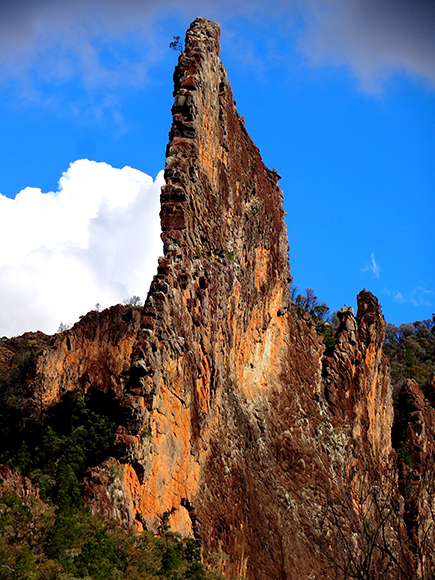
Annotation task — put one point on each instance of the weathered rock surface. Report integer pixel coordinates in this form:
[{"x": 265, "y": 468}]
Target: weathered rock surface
[
  {"x": 233, "y": 418},
  {"x": 33, "y": 342},
  {"x": 94, "y": 354},
  {"x": 14, "y": 482}
]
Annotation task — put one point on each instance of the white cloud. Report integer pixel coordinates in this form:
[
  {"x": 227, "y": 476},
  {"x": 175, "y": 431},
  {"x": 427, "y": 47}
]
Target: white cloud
[
  {"x": 373, "y": 266},
  {"x": 96, "y": 239}
]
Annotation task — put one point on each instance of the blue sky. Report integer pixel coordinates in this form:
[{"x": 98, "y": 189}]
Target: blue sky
[{"x": 338, "y": 95}]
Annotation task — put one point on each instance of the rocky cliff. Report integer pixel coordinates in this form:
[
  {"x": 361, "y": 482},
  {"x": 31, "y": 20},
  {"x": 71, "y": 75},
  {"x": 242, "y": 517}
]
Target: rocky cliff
[{"x": 232, "y": 417}]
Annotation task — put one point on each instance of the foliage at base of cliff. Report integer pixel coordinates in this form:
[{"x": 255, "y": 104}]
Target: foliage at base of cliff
[
  {"x": 57, "y": 537},
  {"x": 38, "y": 541}
]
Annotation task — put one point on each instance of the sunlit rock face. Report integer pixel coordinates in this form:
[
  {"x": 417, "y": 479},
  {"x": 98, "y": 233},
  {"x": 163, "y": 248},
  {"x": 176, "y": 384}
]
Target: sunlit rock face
[
  {"x": 232, "y": 417},
  {"x": 215, "y": 334}
]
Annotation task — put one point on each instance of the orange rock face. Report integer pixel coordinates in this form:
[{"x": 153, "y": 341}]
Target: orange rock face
[
  {"x": 234, "y": 418},
  {"x": 94, "y": 354},
  {"x": 215, "y": 319}
]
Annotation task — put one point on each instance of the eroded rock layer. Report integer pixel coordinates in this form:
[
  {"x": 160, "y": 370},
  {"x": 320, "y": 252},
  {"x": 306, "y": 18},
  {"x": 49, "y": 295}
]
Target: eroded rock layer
[{"x": 234, "y": 419}]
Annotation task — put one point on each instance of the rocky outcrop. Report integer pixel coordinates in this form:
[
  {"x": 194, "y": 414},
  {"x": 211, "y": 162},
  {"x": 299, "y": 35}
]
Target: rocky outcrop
[
  {"x": 13, "y": 482},
  {"x": 214, "y": 330},
  {"x": 233, "y": 417},
  {"x": 356, "y": 381},
  {"x": 19, "y": 346},
  {"x": 94, "y": 354}
]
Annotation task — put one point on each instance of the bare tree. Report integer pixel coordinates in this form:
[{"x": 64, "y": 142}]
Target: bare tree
[
  {"x": 133, "y": 301},
  {"x": 418, "y": 487},
  {"x": 362, "y": 532},
  {"x": 293, "y": 292}
]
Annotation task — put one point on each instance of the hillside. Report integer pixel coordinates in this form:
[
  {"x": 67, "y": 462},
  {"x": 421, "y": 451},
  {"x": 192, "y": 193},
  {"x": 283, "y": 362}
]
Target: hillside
[{"x": 217, "y": 411}]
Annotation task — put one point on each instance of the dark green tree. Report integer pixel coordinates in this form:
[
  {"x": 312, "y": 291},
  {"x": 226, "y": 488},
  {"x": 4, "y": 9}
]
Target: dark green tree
[{"x": 177, "y": 44}]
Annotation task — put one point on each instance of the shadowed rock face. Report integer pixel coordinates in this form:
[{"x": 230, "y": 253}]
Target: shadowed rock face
[
  {"x": 415, "y": 429},
  {"x": 235, "y": 421}
]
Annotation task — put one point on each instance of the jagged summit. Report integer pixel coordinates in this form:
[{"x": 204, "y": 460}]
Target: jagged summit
[
  {"x": 214, "y": 172},
  {"x": 232, "y": 417}
]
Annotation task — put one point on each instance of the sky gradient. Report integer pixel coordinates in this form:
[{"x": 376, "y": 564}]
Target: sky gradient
[{"x": 339, "y": 95}]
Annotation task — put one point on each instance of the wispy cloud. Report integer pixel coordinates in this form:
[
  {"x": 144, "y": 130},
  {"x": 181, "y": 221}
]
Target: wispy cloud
[
  {"x": 419, "y": 296},
  {"x": 373, "y": 267},
  {"x": 373, "y": 38},
  {"x": 399, "y": 297}
]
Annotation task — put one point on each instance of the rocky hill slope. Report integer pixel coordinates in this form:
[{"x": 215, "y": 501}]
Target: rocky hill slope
[{"x": 232, "y": 418}]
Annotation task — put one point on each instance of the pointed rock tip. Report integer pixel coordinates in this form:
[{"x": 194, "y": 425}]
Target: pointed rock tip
[
  {"x": 371, "y": 321},
  {"x": 203, "y": 34},
  {"x": 365, "y": 299},
  {"x": 204, "y": 24}
]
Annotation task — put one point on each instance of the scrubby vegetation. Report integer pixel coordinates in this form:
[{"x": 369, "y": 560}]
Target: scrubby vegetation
[
  {"x": 410, "y": 348},
  {"x": 39, "y": 541},
  {"x": 319, "y": 312}
]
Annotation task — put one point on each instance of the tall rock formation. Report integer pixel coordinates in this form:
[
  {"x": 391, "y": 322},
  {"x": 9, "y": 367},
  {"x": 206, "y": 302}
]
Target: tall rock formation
[
  {"x": 214, "y": 328},
  {"x": 232, "y": 417}
]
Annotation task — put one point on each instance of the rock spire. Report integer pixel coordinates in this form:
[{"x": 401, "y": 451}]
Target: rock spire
[{"x": 233, "y": 418}]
